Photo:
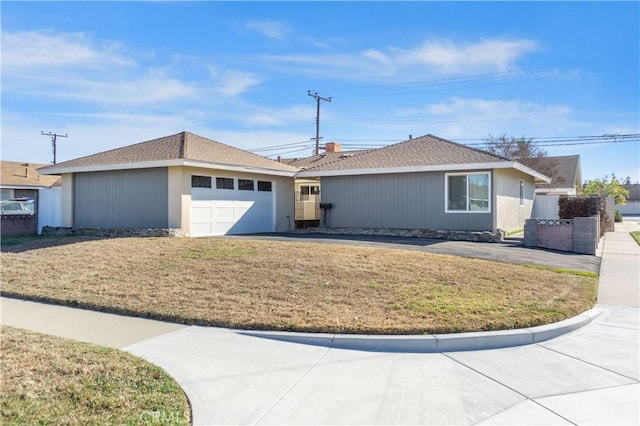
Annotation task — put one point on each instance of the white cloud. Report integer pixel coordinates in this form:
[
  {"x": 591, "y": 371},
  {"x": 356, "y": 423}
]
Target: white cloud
[
  {"x": 445, "y": 56},
  {"x": 271, "y": 29},
  {"x": 429, "y": 59},
  {"x": 232, "y": 83},
  {"x": 32, "y": 49}
]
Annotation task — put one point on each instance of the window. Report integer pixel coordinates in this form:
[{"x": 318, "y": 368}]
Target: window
[
  {"x": 307, "y": 190},
  {"x": 245, "y": 185},
  {"x": 200, "y": 181},
  {"x": 467, "y": 192},
  {"x": 264, "y": 186},
  {"x": 224, "y": 183},
  {"x": 521, "y": 193}
]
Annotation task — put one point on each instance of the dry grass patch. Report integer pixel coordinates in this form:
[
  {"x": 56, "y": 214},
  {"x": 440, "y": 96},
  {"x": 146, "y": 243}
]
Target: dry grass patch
[
  {"x": 255, "y": 284},
  {"x": 49, "y": 380}
]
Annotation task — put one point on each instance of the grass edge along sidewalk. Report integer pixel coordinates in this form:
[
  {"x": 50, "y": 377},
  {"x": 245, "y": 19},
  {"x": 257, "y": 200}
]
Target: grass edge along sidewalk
[{"x": 51, "y": 380}]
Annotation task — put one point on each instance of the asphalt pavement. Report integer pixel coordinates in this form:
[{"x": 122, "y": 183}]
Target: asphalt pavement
[{"x": 589, "y": 375}]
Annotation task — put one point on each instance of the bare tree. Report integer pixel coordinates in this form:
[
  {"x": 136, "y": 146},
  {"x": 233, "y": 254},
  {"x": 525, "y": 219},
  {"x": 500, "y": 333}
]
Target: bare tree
[
  {"x": 514, "y": 148},
  {"x": 524, "y": 151}
]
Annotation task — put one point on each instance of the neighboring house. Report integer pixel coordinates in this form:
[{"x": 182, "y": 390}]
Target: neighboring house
[
  {"x": 307, "y": 191},
  {"x": 184, "y": 182},
  {"x": 21, "y": 181},
  {"x": 566, "y": 178},
  {"x": 426, "y": 183},
  {"x": 632, "y": 207},
  {"x": 565, "y": 173}
]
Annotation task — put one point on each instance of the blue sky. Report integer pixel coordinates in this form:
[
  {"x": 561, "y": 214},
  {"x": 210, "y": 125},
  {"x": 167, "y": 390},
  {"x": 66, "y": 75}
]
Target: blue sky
[{"x": 115, "y": 73}]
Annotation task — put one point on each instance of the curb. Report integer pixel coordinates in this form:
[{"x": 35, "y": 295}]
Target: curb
[{"x": 434, "y": 343}]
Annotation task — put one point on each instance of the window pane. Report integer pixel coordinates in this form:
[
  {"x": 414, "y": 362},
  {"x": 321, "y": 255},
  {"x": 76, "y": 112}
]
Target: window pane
[
  {"x": 200, "y": 181},
  {"x": 224, "y": 183},
  {"x": 264, "y": 186},
  {"x": 479, "y": 192},
  {"x": 245, "y": 185},
  {"x": 522, "y": 193},
  {"x": 457, "y": 196},
  {"x": 315, "y": 190}
]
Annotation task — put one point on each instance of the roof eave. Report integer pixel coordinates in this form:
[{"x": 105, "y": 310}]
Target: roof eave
[
  {"x": 52, "y": 170},
  {"x": 426, "y": 168}
]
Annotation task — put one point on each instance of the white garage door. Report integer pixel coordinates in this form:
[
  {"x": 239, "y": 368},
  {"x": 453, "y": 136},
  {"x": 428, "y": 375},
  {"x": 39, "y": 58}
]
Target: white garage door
[{"x": 217, "y": 211}]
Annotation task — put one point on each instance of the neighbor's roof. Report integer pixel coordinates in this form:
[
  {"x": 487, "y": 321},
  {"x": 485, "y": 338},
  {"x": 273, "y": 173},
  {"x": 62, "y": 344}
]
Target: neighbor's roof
[
  {"x": 564, "y": 171},
  {"x": 20, "y": 174},
  {"x": 184, "y": 148},
  {"x": 320, "y": 159},
  {"x": 425, "y": 153}
]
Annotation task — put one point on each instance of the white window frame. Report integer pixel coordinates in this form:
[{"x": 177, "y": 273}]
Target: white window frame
[
  {"x": 522, "y": 189},
  {"x": 446, "y": 192}
]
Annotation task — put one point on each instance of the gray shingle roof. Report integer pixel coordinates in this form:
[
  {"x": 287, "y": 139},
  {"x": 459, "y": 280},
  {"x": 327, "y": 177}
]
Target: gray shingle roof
[
  {"x": 321, "y": 159},
  {"x": 564, "y": 171},
  {"x": 181, "y": 146},
  {"x": 426, "y": 150}
]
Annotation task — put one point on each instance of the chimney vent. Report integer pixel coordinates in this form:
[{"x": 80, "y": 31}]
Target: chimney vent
[{"x": 332, "y": 147}]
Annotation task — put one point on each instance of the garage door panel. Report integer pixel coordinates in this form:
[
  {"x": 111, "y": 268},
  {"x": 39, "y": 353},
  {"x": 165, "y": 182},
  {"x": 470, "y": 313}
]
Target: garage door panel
[{"x": 220, "y": 212}]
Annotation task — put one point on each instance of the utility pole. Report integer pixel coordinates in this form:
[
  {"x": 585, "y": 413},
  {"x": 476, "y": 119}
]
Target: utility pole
[
  {"x": 318, "y": 98},
  {"x": 54, "y": 137}
]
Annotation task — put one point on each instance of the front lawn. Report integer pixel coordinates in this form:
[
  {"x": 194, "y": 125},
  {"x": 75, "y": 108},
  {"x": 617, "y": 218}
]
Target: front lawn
[
  {"x": 50, "y": 380},
  {"x": 636, "y": 236},
  {"x": 255, "y": 284}
]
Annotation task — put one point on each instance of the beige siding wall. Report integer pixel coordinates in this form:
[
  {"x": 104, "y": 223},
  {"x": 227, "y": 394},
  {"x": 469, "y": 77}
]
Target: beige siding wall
[
  {"x": 67, "y": 200},
  {"x": 179, "y": 198},
  {"x": 510, "y": 214},
  {"x": 282, "y": 187}
]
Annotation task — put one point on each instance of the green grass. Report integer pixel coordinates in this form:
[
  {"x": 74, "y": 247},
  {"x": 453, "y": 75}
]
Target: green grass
[
  {"x": 14, "y": 240},
  {"x": 50, "y": 380},
  {"x": 636, "y": 236},
  {"x": 515, "y": 231},
  {"x": 564, "y": 271}
]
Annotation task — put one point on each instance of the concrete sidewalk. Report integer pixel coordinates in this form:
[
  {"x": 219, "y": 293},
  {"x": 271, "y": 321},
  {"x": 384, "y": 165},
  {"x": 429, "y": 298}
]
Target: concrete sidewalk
[
  {"x": 587, "y": 376},
  {"x": 619, "y": 282}
]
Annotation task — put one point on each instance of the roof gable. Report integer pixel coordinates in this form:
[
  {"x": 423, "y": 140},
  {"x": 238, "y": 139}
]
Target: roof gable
[
  {"x": 183, "y": 147},
  {"x": 564, "y": 171}
]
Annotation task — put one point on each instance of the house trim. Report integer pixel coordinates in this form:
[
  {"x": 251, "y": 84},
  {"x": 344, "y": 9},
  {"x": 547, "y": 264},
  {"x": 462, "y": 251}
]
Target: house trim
[
  {"x": 428, "y": 168},
  {"x": 164, "y": 163}
]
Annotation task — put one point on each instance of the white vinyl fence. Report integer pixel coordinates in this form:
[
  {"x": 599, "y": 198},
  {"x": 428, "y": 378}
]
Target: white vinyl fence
[
  {"x": 49, "y": 207},
  {"x": 545, "y": 207}
]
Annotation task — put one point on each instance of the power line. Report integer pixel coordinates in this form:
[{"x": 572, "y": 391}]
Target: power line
[
  {"x": 318, "y": 98},
  {"x": 54, "y": 137},
  {"x": 549, "y": 141}
]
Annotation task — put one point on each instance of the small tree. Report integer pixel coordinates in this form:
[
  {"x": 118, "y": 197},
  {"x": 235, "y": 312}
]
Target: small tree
[{"x": 604, "y": 187}]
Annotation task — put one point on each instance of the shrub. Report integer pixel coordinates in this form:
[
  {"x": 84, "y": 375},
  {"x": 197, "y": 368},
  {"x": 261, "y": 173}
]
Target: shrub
[{"x": 618, "y": 216}]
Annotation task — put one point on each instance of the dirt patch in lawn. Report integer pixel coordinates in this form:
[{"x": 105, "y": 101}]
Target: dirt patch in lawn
[
  {"x": 253, "y": 284},
  {"x": 49, "y": 380}
]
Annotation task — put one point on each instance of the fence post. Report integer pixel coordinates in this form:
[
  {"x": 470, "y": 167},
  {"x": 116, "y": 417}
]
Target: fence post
[
  {"x": 530, "y": 233},
  {"x": 585, "y": 234}
]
